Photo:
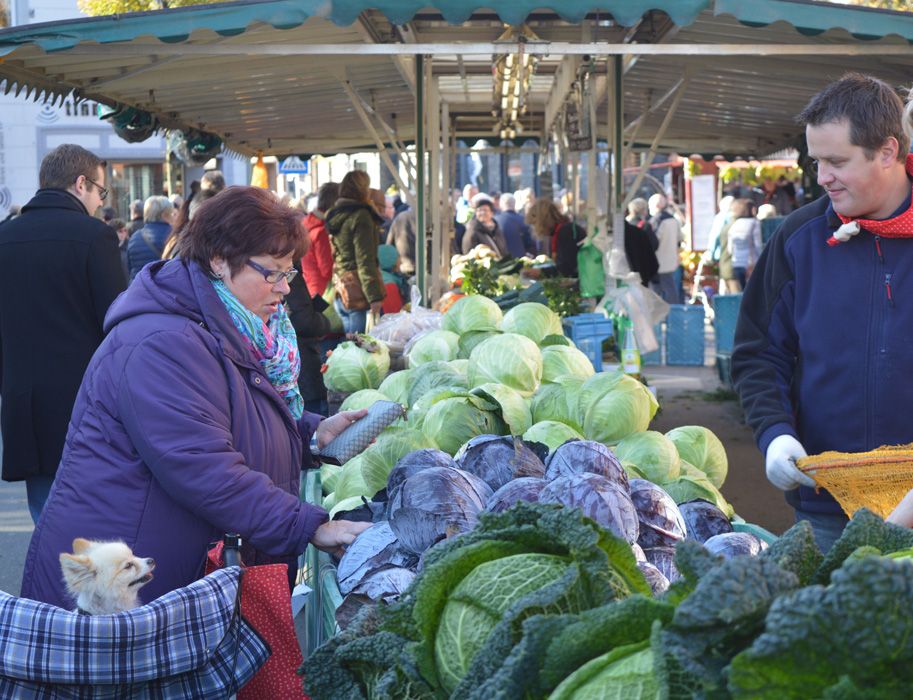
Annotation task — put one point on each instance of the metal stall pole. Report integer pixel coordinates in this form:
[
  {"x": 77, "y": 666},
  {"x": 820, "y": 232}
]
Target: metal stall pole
[
  {"x": 616, "y": 185},
  {"x": 434, "y": 185},
  {"x": 420, "y": 235},
  {"x": 446, "y": 213}
]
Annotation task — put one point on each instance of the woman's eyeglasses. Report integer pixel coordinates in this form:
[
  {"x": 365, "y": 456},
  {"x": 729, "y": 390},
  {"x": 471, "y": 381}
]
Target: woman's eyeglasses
[{"x": 273, "y": 276}]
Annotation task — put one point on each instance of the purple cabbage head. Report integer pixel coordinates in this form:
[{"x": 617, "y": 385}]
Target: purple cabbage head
[
  {"x": 658, "y": 582},
  {"x": 497, "y": 460},
  {"x": 703, "y": 520},
  {"x": 663, "y": 558},
  {"x": 601, "y": 499},
  {"x": 661, "y": 523},
  {"x": 526, "y": 488},
  {"x": 735, "y": 544},
  {"x": 584, "y": 456},
  {"x": 434, "y": 504}
]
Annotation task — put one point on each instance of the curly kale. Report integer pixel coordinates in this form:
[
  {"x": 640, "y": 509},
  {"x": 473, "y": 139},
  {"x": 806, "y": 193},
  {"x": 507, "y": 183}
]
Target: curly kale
[
  {"x": 865, "y": 530},
  {"x": 362, "y": 663},
  {"x": 851, "y": 639},
  {"x": 720, "y": 618},
  {"x": 796, "y": 551}
]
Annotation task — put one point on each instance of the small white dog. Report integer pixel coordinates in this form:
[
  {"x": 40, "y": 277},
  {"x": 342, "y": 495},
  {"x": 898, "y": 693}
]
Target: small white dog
[{"x": 104, "y": 577}]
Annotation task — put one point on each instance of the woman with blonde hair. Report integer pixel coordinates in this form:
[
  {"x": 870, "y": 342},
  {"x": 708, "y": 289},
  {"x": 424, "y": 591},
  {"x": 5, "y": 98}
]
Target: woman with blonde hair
[
  {"x": 563, "y": 236},
  {"x": 352, "y": 225}
]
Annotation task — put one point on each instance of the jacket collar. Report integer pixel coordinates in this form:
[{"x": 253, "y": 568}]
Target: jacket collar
[
  {"x": 347, "y": 206},
  {"x": 55, "y": 199}
]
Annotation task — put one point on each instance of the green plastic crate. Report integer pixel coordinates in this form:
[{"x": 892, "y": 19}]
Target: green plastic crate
[
  {"x": 318, "y": 571},
  {"x": 766, "y": 536}
]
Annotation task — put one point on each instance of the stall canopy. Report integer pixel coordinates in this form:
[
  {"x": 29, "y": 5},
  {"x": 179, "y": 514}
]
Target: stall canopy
[{"x": 305, "y": 76}]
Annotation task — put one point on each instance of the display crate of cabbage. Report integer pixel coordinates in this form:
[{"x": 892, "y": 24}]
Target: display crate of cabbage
[{"x": 538, "y": 601}]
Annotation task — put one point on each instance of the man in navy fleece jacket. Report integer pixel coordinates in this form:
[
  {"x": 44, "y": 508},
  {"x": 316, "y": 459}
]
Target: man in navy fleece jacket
[{"x": 824, "y": 342}]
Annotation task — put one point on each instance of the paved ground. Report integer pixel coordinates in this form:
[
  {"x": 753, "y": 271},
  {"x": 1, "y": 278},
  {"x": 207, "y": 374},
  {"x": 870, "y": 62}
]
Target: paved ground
[
  {"x": 694, "y": 396},
  {"x": 15, "y": 533}
]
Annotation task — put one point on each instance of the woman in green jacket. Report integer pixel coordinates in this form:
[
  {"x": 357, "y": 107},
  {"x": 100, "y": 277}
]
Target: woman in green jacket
[{"x": 352, "y": 225}]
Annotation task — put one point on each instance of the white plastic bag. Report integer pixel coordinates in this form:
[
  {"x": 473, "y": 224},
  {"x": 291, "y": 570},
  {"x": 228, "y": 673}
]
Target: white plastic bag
[
  {"x": 396, "y": 329},
  {"x": 643, "y": 306}
]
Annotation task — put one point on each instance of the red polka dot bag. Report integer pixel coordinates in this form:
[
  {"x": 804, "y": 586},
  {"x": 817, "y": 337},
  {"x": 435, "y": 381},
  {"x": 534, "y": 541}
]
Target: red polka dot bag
[{"x": 266, "y": 605}]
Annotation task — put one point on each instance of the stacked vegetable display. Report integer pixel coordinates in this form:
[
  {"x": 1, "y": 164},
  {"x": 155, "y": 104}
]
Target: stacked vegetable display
[
  {"x": 485, "y": 372},
  {"x": 540, "y": 602}
]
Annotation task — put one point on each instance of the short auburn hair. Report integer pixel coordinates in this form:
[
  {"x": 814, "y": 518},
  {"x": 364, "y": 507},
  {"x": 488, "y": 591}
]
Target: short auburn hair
[{"x": 240, "y": 223}]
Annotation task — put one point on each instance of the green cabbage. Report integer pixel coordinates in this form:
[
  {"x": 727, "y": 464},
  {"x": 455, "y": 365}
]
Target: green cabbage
[
  {"x": 556, "y": 339},
  {"x": 472, "y": 313},
  {"x": 625, "y": 673},
  {"x": 551, "y": 433},
  {"x": 454, "y": 420},
  {"x": 509, "y": 359},
  {"x": 653, "y": 454},
  {"x": 626, "y": 408},
  {"x": 366, "y": 474},
  {"x": 532, "y": 319},
  {"x": 693, "y": 483},
  {"x": 479, "y": 601},
  {"x": 459, "y": 365},
  {"x": 559, "y": 401},
  {"x": 700, "y": 447},
  {"x": 434, "y": 375},
  {"x": 329, "y": 475},
  {"x": 363, "y": 398},
  {"x": 514, "y": 408},
  {"x": 416, "y": 416},
  {"x": 469, "y": 340},
  {"x": 436, "y": 345},
  {"x": 558, "y": 361},
  {"x": 351, "y": 367},
  {"x": 396, "y": 386},
  {"x": 597, "y": 386}
]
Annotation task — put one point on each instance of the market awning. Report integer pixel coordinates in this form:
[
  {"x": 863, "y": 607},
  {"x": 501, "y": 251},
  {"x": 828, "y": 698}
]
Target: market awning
[{"x": 283, "y": 76}]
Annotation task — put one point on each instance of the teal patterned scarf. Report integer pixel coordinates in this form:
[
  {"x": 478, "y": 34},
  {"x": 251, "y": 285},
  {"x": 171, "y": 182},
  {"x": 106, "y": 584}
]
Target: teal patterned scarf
[{"x": 275, "y": 346}]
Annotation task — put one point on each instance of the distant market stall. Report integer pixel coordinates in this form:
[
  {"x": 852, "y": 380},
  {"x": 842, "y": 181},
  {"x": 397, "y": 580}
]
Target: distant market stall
[{"x": 284, "y": 77}]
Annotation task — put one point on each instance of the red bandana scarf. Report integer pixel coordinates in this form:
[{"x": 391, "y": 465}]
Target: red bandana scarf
[{"x": 900, "y": 226}]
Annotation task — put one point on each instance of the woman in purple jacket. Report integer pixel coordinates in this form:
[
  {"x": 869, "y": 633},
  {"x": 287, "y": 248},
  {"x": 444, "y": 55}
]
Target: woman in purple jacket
[{"x": 189, "y": 422}]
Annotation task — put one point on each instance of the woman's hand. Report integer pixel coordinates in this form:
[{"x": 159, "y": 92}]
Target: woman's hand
[
  {"x": 903, "y": 514},
  {"x": 332, "y": 427},
  {"x": 335, "y": 535}
]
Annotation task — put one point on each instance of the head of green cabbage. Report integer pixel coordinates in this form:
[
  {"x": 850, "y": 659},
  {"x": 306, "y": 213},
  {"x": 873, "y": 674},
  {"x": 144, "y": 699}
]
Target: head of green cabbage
[
  {"x": 472, "y": 313},
  {"x": 509, "y": 359},
  {"x": 532, "y": 319},
  {"x": 352, "y": 367}
]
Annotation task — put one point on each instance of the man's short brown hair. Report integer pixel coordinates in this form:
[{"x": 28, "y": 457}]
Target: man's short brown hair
[
  {"x": 62, "y": 167},
  {"x": 872, "y": 108},
  {"x": 240, "y": 223}
]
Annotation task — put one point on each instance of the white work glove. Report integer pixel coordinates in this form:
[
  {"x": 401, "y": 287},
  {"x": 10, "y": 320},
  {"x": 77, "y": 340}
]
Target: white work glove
[{"x": 782, "y": 471}]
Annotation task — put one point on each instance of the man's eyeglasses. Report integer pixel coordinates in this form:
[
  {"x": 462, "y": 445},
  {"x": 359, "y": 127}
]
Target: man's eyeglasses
[
  {"x": 273, "y": 276},
  {"x": 102, "y": 192}
]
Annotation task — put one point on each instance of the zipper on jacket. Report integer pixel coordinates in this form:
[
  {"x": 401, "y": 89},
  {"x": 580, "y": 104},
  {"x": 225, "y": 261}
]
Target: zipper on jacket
[
  {"x": 878, "y": 249},
  {"x": 887, "y": 289}
]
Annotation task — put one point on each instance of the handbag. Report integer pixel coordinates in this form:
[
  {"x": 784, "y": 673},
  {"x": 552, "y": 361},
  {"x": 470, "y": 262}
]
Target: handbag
[
  {"x": 266, "y": 605},
  {"x": 349, "y": 290}
]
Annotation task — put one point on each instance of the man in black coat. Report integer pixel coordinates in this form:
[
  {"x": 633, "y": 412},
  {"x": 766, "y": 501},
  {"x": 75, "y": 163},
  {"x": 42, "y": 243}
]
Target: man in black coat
[{"x": 60, "y": 269}]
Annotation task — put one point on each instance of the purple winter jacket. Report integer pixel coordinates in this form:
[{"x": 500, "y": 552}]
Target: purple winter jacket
[{"x": 176, "y": 437}]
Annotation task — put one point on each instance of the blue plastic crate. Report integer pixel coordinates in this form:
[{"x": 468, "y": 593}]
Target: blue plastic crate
[
  {"x": 725, "y": 315},
  {"x": 588, "y": 331},
  {"x": 685, "y": 335},
  {"x": 655, "y": 357}
]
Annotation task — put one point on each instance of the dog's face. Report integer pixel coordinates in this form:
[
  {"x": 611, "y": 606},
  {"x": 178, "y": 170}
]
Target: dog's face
[{"x": 104, "y": 577}]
